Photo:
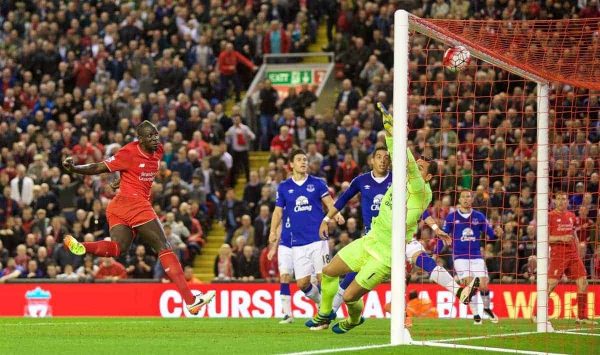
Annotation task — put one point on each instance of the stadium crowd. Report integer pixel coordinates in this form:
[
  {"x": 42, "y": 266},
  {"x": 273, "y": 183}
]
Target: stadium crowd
[{"x": 76, "y": 78}]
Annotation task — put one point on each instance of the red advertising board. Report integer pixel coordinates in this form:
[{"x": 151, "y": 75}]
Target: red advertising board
[{"x": 255, "y": 300}]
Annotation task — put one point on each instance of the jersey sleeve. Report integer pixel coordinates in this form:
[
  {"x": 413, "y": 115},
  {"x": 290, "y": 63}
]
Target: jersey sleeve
[
  {"x": 279, "y": 199},
  {"x": 425, "y": 214},
  {"x": 347, "y": 195},
  {"x": 448, "y": 225},
  {"x": 322, "y": 188},
  {"x": 489, "y": 229},
  {"x": 118, "y": 162}
]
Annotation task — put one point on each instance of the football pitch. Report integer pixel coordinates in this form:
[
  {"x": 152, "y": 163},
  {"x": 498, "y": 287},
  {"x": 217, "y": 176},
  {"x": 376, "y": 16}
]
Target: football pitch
[{"x": 266, "y": 336}]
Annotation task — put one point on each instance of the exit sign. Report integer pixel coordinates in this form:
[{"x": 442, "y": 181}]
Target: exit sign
[{"x": 291, "y": 77}]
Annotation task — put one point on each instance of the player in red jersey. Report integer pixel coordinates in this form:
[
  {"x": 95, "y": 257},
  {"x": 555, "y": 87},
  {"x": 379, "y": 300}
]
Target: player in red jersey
[
  {"x": 131, "y": 210},
  {"x": 564, "y": 257}
]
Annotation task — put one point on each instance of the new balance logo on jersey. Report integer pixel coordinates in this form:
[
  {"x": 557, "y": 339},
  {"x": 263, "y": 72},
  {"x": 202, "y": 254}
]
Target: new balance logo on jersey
[
  {"x": 290, "y": 191},
  {"x": 376, "y": 202},
  {"x": 302, "y": 204},
  {"x": 467, "y": 235},
  {"x": 142, "y": 165}
]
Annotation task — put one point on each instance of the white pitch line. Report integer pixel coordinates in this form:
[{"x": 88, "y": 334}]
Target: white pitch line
[
  {"x": 339, "y": 350},
  {"x": 72, "y": 323},
  {"x": 485, "y": 348},
  {"x": 577, "y": 333},
  {"x": 503, "y": 335}
]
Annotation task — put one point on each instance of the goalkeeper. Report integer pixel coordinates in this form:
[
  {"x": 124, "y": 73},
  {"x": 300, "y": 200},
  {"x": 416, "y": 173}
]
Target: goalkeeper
[{"x": 371, "y": 256}]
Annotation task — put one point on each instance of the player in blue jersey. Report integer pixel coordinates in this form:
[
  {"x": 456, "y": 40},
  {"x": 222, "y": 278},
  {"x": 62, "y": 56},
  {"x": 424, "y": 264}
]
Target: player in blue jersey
[
  {"x": 466, "y": 227},
  {"x": 302, "y": 197}
]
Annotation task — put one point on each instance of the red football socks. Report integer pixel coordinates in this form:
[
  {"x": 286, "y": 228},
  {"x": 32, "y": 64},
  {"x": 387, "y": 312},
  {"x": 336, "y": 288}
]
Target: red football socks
[
  {"x": 581, "y": 305},
  {"x": 104, "y": 248},
  {"x": 173, "y": 269}
]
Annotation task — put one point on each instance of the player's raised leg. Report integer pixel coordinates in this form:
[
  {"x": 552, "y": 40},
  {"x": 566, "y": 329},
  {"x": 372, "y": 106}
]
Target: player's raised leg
[
  {"x": 152, "y": 233},
  {"x": 438, "y": 274},
  {"x": 121, "y": 238}
]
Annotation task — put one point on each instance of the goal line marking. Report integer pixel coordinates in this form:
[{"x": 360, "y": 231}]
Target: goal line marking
[
  {"x": 425, "y": 343},
  {"x": 578, "y": 333},
  {"x": 444, "y": 343},
  {"x": 503, "y": 335}
]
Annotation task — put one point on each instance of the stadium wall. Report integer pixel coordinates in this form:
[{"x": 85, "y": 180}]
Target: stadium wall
[{"x": 256, "y": 300}]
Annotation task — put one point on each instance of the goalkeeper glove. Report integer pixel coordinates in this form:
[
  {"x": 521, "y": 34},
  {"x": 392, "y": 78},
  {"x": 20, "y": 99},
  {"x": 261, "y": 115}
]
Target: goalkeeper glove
[{"x": 388, "y": 120}]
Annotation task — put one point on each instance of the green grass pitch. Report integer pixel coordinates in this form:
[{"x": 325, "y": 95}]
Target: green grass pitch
[{"x": 266, "y": 336}]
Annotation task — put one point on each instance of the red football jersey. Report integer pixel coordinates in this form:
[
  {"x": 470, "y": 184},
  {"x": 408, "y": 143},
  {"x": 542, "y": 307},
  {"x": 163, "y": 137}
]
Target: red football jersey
[
  {"x": 562, "y": 223},
  {"x": 137, "y": 168}
]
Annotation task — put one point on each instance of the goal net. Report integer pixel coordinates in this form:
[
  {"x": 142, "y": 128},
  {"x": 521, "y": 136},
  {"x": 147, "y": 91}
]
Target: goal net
[{"x": 520, "y": 122}]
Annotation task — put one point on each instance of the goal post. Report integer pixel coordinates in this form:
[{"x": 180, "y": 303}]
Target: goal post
[
  {"x": 531, "y": 67},
  {"x": 400, "y": 132}
]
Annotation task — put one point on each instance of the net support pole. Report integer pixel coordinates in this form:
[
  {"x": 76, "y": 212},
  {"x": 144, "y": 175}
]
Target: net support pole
[
  {"x": 399, "y": 334},
  {"x": 542, "y": 196}
]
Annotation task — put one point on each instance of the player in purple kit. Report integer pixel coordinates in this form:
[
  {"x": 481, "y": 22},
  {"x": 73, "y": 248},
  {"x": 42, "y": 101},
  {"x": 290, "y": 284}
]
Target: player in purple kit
[{"x": 466, "y": 226}]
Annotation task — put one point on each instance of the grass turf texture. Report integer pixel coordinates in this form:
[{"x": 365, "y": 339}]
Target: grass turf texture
[{"x": 265, "y": 336}]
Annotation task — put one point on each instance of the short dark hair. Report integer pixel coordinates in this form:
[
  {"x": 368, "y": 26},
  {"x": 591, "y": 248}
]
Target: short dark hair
[
  {"x": 560, "y": 192},
  {"x": 296, "y": 152},
  {"x": 143, "y": 126},
  {"x": 380, "y": 148}
]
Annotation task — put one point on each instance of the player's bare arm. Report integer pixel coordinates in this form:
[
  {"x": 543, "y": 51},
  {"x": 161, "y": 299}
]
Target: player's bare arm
[
  {"x": 332, "y": 212},
  {"x": 275, "y": 223},
  {"x": 430, "y": 221},
  {"x": 560, "y": 238},
  {"x": 86, "y": 169}
]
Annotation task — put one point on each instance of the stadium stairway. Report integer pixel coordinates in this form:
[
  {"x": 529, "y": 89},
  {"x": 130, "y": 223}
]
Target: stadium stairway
[{"x": 203, "y": 265}]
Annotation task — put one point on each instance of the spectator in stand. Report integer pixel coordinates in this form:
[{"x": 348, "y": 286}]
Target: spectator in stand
[
  {"x": 247, "y": 265},
  {"x": 276, "y": 40},
  {"x": 232, "y": 210},
  {"x": 284, "y": 141},
  {"x": 22, "y": 187},
  {"x": 262, "y": 225},
  {"x": 68, "y": 274},
  {"x": 33, "y": 271},
  {"x": 246, "y": 230},
  {"x": 140, "y": 265},
  {"x": 88, "y": 270},
  {"x": 227, "y": 63},
  {"x": 239, "y": 138},
  {"x": 268, "y": 97},
  {"x": 10, "y": 271},
  {"x": 269, "y": 269},
  {"x": 225, "y": 267},
  {"x": 110, "y": 269},
  {"x": 252, "y": 191},
  {"x": 188, "y": 273},
  {"x": 348, "y": 95}
]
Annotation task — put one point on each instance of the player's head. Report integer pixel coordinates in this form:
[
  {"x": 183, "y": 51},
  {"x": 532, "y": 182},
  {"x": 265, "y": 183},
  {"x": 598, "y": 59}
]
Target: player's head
[
  {"x": 299, "y": 161},
  {"x": 424, "y": 163},
  {"x": 148, "y": 136},
  {"x": 465, "y": 199},
  {"x": 561, "y": 200},
  {"x": 381, "y": 160}
]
